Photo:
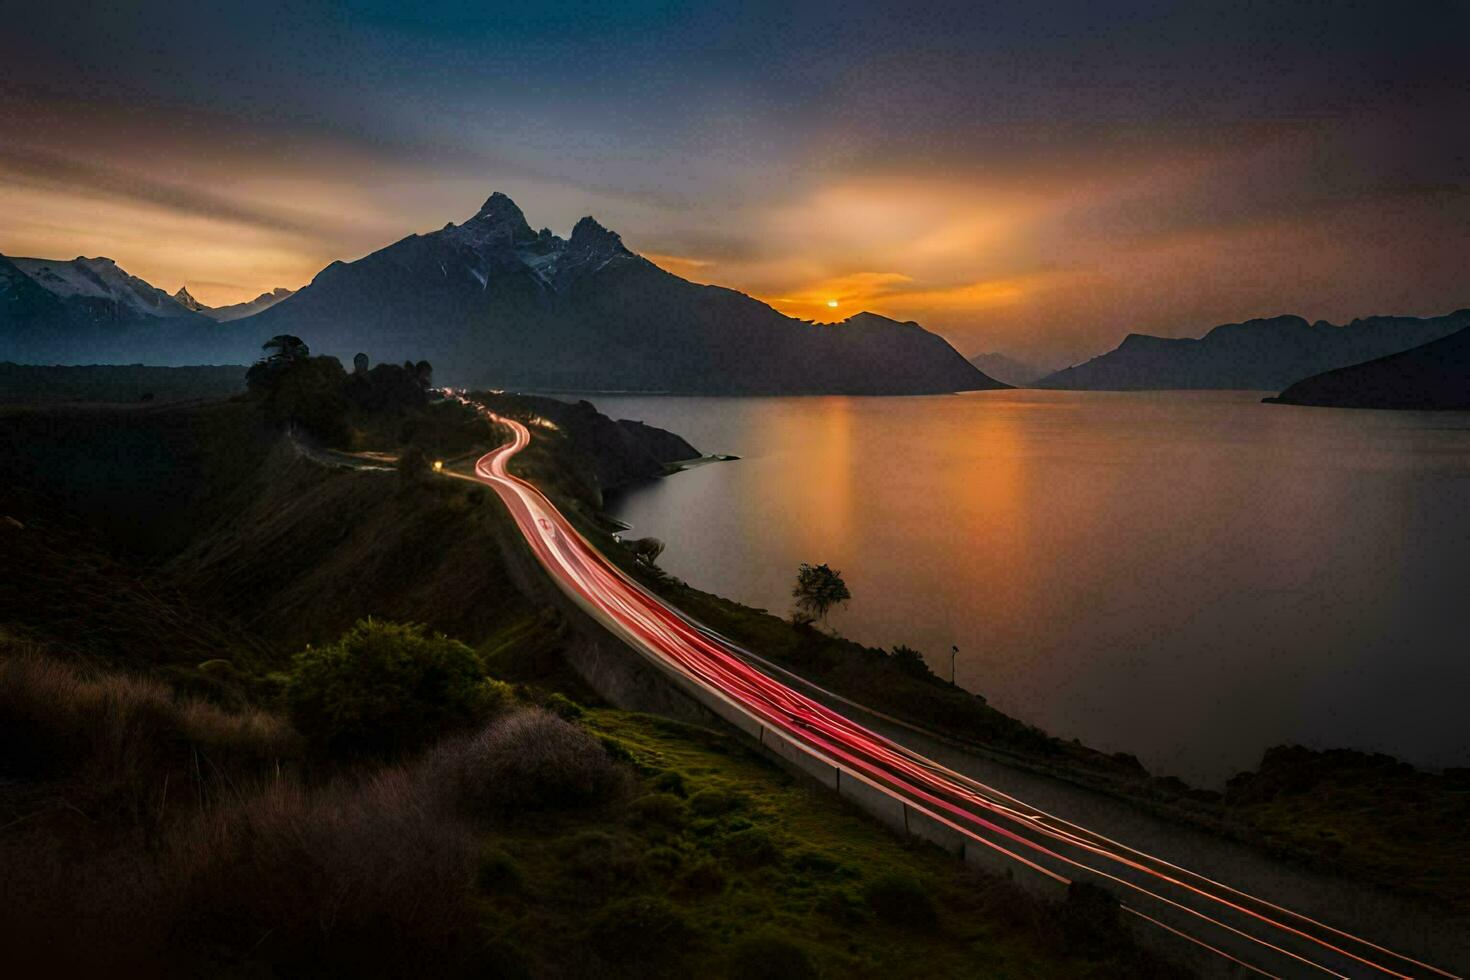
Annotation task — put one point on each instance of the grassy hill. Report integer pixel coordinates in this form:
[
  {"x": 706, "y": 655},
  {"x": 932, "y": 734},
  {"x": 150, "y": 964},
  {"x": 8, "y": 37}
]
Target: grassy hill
[{"x": 167, "y": 809}]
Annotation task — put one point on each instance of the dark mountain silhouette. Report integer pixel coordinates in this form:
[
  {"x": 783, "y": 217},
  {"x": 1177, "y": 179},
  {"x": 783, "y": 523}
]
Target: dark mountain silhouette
[
  {"x": 1258, "y": 355},
  {"x": 492, "y": 302},
  {"x": 1434, "y": 376},
  {"x": 89, "y": 311},
  {"x": 1007, "y": 369}
]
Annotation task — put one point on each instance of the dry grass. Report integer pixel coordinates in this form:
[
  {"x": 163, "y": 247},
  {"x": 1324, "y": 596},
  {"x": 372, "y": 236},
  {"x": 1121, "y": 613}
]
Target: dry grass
[
  {"x": 119, "y": 745},
  {"x": 356, "y": 878},
  {"x": 528, "y": 760}
]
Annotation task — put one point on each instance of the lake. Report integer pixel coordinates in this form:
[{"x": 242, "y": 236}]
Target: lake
[{"x": 1187, "y": 576}]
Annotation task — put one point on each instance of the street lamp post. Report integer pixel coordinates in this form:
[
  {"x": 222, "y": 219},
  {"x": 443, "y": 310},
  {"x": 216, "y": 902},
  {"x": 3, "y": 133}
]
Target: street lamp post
[{"x": 953, "y": 652}]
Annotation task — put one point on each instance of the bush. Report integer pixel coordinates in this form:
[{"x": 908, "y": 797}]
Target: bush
[
  {"x": 703, "y": 878},
  {"x": 671, "y": 781},
  {"x": 751, "y": 848},
  {"x": 387, "y": 688},
  {"x": 659, "y": 810},
  {"x": 529, "y": 760},
  {"x": 771, "y": 956},
  {"x": 714, "y": 802},
  {"x": 902, "y": 901},
  {"x": 497, "y": 873},
  {"x": 559, "y": 704},
  {"x": 642, "y": 928}
]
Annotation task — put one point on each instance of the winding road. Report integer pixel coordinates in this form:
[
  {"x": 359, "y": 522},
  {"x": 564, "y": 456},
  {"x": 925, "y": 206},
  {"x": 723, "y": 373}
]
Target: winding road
[{"x": 1225, "y": 927}]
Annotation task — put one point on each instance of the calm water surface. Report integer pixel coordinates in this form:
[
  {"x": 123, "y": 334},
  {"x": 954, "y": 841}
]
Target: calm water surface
[{"x": 1190, "y": 577}]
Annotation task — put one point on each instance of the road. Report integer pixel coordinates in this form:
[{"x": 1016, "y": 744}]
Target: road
[{"x": 1242, "y": 933}]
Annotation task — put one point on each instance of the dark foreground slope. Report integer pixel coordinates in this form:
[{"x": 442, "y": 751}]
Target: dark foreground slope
[
  {"x": 35, "y": 384},
  {"x": 164, "y": 810},
  {"x": 1257, "y": 355},
  {"x": 1435, "y": 376},
  {"x": 493, "y": 303}
]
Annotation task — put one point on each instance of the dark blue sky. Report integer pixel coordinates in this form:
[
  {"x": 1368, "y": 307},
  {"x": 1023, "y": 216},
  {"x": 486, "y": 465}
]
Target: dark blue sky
[{"x": 1037, "y": 177}]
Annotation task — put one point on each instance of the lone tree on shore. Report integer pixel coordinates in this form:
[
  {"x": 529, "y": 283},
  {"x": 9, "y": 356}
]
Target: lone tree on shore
[{"x": 818, "y": 589}]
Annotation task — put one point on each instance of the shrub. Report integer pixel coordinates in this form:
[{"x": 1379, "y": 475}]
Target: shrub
[
  {"x": 497, "y": 873},
  {"x": 751, "y": 848},
  {"x": 772, "y": 956},
  {"x": 388, "y": 687},
  {"x": 703, "y": 878},
  {"x": 529, "y": 760},
  {"x": 671, "y": 781},
  {"x": 663, "y": 861},
  {"x": 902, "y": 901},
  {"x": 641, "y": 928},
  {"x": 563, "y": 706},
  {"x": 598, "y": 860},
  {"x": 713, "y": 802},
  {"x": 659, "y": 810},
  {"x": 413, "y": 466}
]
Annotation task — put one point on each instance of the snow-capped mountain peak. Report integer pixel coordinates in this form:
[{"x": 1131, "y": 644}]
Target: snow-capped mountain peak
[
  {"x": 100, "y": 279},
  {"x": 185, "y": 299}
]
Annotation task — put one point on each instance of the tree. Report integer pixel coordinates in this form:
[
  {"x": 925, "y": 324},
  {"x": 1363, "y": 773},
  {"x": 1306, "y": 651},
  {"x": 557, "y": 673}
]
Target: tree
[
  {"x": 818, "y": 589},
  {"x": 285, "y": 347},
  {"x": 283, "y": 351},
  {"x": 413, "y": 466}
]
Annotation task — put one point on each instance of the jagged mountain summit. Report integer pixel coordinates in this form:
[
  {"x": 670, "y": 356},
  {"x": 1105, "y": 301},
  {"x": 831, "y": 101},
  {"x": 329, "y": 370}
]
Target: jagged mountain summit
[
  {"x": 186, "y": 299},
  {"x": 235, "y": 311},
  {"x": 494, "y": 302},
  {"x": 1257, "y": 355}
]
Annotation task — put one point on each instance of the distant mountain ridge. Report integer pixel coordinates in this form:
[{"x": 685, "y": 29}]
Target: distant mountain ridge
[
  {"x": 90, "y": 311},
  {"x": 1432, "y": 377},
  {"x": 1010, "y": 370},
  {"x": 491, "y": 302},
  {"x": 494, "y": 302},
  {"x": 235, "y": 311},
  {"x": 1257, "y": 355}
]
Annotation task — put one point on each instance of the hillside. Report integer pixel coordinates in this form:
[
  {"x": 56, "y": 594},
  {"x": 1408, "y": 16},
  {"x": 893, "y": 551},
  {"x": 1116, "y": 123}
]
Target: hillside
[
  {"x": 1435, "y": 376},
  {"x": 169, "y": 808},
  {"x": 1257, "y": 355},
  {"x": 494, "y": 303},
  {"x": 34, "y": 383}
]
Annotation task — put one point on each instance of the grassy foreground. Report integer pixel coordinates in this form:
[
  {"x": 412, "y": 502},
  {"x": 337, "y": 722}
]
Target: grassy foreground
[{"x": 171, "y": 803}]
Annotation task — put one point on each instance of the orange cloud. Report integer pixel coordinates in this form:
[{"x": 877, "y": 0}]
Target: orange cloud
[{"x": 682, "y": 266}]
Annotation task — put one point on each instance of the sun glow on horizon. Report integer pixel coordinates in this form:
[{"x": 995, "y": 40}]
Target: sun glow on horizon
[{"x": 832, "y": 303}]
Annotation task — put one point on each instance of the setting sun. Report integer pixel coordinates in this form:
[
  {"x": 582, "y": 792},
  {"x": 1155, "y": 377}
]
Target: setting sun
[{"x": 832, "y": 303}]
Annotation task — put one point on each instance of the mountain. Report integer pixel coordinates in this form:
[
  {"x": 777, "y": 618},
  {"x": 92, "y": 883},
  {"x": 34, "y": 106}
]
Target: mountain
[
  {"x": 236, "y": 311},
  {"x": 1258, "y": 355},
  {"x": 1433, "y": 376},
  {"x": 186, "y": 299},
  {"x": 494, "y": 302},
  {"x": 89, "y": 311},
  {"x": 1009, "y": 370}
]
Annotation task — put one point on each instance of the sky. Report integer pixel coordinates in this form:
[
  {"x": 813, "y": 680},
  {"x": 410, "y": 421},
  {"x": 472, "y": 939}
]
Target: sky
[{"x": 1039, "y": 178}]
